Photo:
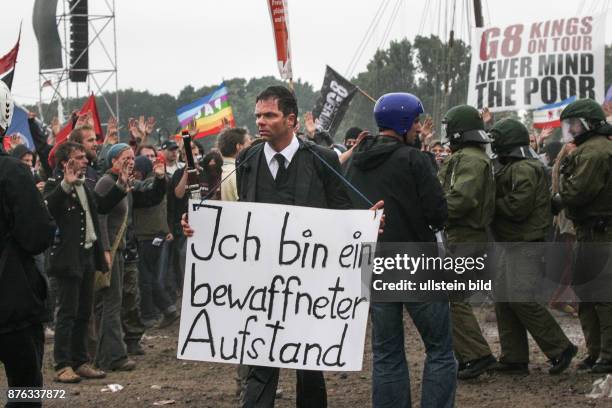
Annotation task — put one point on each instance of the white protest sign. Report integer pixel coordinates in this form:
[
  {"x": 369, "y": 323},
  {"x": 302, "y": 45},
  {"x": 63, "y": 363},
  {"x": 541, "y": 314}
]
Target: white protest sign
[
  {"x": 276, "y": 285},
  {"x": 527, "y": 66}
]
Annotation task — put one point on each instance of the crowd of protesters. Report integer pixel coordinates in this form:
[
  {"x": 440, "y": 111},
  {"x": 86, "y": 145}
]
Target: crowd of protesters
[{"x": 117, "y": 257}]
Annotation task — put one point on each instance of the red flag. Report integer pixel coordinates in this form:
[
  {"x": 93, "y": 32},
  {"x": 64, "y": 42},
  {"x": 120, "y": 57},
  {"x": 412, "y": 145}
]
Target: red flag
[
  {"x": 279, "y": 13},
  {"x": 8, "y": 61},
  {"x": 88, "y": 106}
]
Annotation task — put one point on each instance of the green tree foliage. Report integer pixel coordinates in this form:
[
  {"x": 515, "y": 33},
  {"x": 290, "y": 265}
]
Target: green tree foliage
[
  {"x": 427, "y": 67},
  {"x": 242, "y": 95}
]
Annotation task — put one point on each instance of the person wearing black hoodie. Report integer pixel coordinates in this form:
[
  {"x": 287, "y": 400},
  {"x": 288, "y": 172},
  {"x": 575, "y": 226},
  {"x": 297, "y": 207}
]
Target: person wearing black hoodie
[{"x": 388, "y": 167}]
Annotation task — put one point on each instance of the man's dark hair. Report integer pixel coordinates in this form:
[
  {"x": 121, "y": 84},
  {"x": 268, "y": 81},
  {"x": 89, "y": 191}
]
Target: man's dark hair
[
  {"x": 77, "y": 136},
  {"x": 145, "y": 146},
  {"x": 285, "y": 99},
  {"x": 228, "y": 139},
  {"x": 63, "y": 152},
  {"x": 352, "y": 133}
]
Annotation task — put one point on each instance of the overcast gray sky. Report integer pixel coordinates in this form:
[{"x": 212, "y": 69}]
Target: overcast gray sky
[{"x": 165, "y": 45}]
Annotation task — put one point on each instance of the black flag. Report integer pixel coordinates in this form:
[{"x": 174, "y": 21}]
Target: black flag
[{"x": 336, "y": 95}]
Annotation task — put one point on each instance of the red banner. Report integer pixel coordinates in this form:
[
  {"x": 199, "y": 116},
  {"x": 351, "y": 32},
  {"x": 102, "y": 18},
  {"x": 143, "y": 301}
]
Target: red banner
[{"x": 279, "y": 14}]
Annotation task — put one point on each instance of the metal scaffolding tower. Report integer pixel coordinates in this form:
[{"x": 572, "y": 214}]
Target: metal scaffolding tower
[{"x": 55, "y": 85}]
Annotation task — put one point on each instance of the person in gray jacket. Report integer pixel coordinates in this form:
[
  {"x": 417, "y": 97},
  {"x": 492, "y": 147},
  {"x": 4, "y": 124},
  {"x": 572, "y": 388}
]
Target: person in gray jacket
[{"x": 111, "y": 353}]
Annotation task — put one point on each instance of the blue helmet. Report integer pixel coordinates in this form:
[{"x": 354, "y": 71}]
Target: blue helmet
[{"x": 397, "y": 111}]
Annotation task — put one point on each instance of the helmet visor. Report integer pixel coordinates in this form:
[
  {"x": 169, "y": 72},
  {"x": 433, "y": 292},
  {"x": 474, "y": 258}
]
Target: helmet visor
[
  {"x": 573, "y": 127},
  {"x": 443, "y": 133}
]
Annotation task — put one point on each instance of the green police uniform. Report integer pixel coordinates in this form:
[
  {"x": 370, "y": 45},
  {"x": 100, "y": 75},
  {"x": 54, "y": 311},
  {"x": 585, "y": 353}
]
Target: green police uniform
[
  {"x": 522, "y": 208},
  {"x": 469, "y": 188},
  {"x": 586, "y": 193}
]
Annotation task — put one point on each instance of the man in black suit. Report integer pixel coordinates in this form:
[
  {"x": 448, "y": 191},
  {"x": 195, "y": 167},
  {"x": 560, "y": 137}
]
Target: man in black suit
[
  {"x": 287, "y": 170},
  {"x": 75, "y": 256},
  {"x": 284, "y": 170}
]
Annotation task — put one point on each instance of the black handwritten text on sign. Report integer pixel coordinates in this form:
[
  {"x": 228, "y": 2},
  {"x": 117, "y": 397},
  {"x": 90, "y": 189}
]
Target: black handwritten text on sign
[{"x": 276, "y": 285}]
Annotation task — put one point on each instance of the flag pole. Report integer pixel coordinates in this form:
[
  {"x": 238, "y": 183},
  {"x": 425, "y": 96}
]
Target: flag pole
[{"x": 361, "y": 91}]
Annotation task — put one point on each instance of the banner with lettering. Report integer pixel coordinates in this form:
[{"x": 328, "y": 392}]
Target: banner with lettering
[
  {"x": 336, "y": 95},
  {"x": 527, "y": 66},
  {"x": 276, "y": 285},
  {"x": 279, "y": 14}
]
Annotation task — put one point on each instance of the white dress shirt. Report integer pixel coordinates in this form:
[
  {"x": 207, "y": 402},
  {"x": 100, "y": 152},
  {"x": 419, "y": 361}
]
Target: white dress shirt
[{"x": 288, "y": 152}]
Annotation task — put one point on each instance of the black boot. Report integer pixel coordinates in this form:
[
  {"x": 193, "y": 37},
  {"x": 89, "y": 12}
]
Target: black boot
[
  {"x": 587, "y": 363},
  {"x": 602, "y": 367},
  {"x": 134, "y": 349},
  {"x": 476, "y": 367},
  {"x": 560, "y": 363}
]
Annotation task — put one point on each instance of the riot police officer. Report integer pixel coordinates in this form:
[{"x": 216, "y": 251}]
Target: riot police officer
[
  {"x": 586, "y": 194},
  {"x": 469, "y": 187},
  {"x": 522, "y": 208}
]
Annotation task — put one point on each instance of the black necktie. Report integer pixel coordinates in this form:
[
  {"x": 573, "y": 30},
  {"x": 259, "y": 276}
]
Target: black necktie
[{"x": 281, "y": 174}]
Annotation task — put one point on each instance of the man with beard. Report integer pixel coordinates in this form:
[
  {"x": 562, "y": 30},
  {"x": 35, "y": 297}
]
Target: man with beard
[{"x": 75, "y": 256}]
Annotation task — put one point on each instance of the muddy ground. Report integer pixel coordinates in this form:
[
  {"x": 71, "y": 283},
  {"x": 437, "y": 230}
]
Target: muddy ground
[{"x": 160, "y": 376}]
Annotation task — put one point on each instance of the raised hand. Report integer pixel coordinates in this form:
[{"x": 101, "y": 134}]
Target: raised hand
[
  {"x": 142, "y": 125},
  {"x": 427, "y": 127},
  {"x": 487, "y": 116},
  {"x": 192, "y": 127},
  {"x": 15, "y": 140},
  {"x": 134, "y": 129},
  {"x": 112, "y": 134},
  {"x": 150, "y": 125},
  {"x": 71, "y": 171},
  {"x": 55, "y": 126},
  {"x": 126, "y": 176},
  {"x": 85, "y": 119},
  {"x": 309, "y": 124},
  {"x": 545, "y": 133}
]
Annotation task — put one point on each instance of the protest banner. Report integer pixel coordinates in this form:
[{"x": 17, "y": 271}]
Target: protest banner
[
  {"x": 336, "y": 95},
  {"x": 279, "y": 14},
  {"x": 527, "y": 66},
  {"x": 275, "y": 285}
]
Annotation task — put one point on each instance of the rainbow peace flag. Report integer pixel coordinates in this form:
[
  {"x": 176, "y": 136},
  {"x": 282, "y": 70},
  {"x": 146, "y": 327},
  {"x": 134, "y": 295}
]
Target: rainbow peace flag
[{"x": 211, "y": 112}]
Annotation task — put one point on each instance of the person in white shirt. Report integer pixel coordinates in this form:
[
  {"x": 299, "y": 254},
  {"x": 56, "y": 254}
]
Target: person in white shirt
[{"x": 231, "y": 142}]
